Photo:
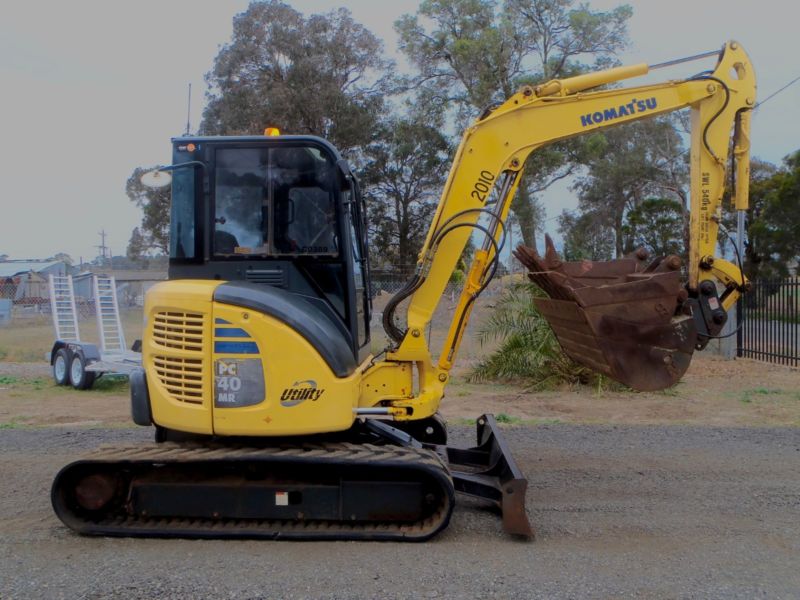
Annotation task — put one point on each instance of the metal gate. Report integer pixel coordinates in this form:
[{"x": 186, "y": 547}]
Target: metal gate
[{"x": 769, "y": 328}]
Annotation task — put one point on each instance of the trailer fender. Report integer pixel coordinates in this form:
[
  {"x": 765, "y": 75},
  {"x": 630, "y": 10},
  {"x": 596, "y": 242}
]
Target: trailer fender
[{"x": 89, "y": 352}]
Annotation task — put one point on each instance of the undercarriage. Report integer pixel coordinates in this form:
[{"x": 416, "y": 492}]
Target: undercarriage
[{"x": 384, "y": 485}]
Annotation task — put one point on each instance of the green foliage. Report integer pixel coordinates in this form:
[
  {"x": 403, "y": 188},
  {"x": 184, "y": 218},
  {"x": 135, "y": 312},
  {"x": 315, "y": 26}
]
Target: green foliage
[
  {"x": 782, "y": 212},
  {"x": 323, "y": 74},
  {"x": 585, "y": 237},
  {"x": 153, "y": 233},
  {"x": 457, "y": 277},
  {"x": 528, "y": 348},
  {"x": 773, "y": 221},
  {"x": 505, "y": 419},
  {"x": 39, "y": 383},
  {"x": 404, "y": 173},
  {"x": 476, "y": 52},
  {"x": 471, "y": 54},
  {"x": 656, "y": 224},
  {"x": 749, "y": 395},
  {"x": 110, "y": 384},
  {"x": 627, "y": 165}
]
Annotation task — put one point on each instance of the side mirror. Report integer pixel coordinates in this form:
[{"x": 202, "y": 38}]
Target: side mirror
[{"x": 156, "y": 179}]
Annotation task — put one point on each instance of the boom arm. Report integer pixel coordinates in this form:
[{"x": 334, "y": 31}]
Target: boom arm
[{"x": 487, "y": 169}]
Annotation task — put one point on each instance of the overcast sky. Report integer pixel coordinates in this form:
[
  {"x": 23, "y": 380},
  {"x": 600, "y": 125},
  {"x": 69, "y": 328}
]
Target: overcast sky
[{"x": 91, "y": 90}]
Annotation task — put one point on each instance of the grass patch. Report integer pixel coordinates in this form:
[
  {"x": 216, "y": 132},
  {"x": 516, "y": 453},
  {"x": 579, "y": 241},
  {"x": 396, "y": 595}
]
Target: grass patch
[
  {"x": 110, "y": 384},
  {"x": 671, "y": 392},
  {"x": 14, "y": 423},
  {"x": 504, "y": 419},
  {"x": 28, "y": 339},
  {"x": 507, "y": 419},
  {"x": 41, "y": 387},
  {"x": 749, "y": 395}
]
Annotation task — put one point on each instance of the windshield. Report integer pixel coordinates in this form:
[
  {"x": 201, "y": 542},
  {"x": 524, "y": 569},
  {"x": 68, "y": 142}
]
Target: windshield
[{"x": 274, "y": 201}]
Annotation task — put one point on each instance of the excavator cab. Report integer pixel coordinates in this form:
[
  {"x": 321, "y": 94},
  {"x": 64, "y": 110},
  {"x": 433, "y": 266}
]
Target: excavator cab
[{"x": 281, "y": 214}]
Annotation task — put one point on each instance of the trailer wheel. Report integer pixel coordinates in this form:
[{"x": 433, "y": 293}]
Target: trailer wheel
[
  {"x": 80, "y": 378},
  {"x": 60, "y": 368}
]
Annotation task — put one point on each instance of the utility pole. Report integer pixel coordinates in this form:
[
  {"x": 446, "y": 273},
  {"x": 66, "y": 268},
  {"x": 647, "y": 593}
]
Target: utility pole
[{"x": 102, "y": 247}]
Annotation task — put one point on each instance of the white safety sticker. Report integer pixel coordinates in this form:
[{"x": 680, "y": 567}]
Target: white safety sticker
[{"x": 281, "y": 498}]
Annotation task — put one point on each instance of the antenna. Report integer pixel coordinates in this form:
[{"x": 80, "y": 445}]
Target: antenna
[{"x": 189, "y": 110}]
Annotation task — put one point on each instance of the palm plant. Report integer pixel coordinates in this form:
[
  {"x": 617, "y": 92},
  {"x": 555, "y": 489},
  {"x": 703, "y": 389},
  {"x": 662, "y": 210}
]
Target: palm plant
[{"x": 528, "y": 347}]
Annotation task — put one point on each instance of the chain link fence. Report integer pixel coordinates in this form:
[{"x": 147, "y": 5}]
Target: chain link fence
[{"x": 22, "y": 302}]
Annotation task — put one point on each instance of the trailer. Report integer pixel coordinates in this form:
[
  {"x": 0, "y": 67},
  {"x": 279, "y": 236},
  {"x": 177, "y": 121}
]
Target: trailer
[{"x": 76, "y": 362}]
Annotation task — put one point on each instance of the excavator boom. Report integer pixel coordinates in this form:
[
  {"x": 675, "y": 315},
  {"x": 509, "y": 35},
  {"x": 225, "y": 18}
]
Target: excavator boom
[{"x": 637, "y": 323}]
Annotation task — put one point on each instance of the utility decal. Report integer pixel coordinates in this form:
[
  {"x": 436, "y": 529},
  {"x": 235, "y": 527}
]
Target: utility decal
[
  {"x": 624, "y": 110},
  {"x": 300, "y": 391}
]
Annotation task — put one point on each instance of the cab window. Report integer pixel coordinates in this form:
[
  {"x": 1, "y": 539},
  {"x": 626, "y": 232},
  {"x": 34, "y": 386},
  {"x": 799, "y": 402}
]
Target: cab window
[{"x": 274, "y": 202}]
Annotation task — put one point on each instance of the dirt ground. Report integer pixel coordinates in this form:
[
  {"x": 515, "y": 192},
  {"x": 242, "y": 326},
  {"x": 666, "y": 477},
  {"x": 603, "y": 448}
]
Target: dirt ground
[
  {"x": 620, "y": 512},
  {"x": 693, "y": 492},
  {"x": 713, "y": 392}
]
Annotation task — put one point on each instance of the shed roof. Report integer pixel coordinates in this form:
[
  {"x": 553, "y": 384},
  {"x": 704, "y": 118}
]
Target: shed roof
[{"x": 15, "y": 267}]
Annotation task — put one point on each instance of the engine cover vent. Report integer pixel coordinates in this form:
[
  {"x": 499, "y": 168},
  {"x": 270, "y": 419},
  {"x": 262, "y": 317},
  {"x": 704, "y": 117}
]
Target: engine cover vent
[{"x": 275, "y": 277}]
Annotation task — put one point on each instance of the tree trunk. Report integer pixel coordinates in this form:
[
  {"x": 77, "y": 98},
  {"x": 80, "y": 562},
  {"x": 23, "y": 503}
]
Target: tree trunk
[
  {"x": 620, "y": 251},
  {"x": 523, "y": 208}
]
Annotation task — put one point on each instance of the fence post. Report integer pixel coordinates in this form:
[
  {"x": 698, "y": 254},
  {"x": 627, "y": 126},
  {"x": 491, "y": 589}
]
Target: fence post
[{"x": 740, "y": 311}]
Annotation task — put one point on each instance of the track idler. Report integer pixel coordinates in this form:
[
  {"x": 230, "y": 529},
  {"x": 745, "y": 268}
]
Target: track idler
[{"x": 623, "y": 318}]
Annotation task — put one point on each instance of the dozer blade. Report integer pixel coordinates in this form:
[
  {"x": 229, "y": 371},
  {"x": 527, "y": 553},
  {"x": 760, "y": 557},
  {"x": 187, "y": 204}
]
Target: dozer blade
[
  {"x": 622, "y": 318},
  {"x": 488, "y": 471}
]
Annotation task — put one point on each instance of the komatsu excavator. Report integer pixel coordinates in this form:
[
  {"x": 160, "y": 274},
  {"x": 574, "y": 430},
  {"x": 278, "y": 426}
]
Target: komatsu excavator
[{"x": 272, "y": 417}]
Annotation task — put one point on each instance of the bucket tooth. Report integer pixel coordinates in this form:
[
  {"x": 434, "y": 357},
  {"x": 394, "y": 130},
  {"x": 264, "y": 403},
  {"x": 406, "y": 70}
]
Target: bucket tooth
[{"x": 622, "y": 318}]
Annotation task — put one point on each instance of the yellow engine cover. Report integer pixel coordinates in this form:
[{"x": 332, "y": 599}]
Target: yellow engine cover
[{"x": 218, "y": 369}]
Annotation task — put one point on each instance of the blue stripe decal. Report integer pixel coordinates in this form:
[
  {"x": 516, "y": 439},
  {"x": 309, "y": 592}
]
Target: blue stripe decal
[
  {"x": 235, "y": 348},
  {"x": 230, "y": 332},
  {"x": 219, "y": 321}
]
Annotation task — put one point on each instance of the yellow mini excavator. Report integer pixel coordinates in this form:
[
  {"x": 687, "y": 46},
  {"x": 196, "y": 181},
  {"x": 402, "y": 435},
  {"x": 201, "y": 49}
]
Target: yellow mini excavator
[{"x": 272, "y": 417}]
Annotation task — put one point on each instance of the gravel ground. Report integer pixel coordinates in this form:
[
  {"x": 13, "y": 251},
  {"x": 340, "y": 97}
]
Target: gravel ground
[
  {"x": 41, "y": 369},
  {"x": 652, "y": 512}
]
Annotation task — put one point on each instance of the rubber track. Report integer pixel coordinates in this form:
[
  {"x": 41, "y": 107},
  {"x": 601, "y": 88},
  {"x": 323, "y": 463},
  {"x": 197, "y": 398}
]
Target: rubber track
[{"x": 122, "y": 524}]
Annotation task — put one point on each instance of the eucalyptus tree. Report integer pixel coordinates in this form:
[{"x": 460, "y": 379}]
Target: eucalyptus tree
[
  {"x": 471, "y": 54},
  {"x": 323, "y": 74}
]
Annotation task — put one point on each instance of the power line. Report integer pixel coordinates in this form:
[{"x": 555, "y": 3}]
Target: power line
[{"x": 773, "y": 94}]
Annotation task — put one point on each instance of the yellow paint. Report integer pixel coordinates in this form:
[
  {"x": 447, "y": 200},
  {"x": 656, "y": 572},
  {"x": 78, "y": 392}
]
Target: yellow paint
[
  {"x": 492, "y": 150},
  {"x": 176, "y": 298},
  {"x": 288, "y": 360},
  {"x": 501, "y": 142}
]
